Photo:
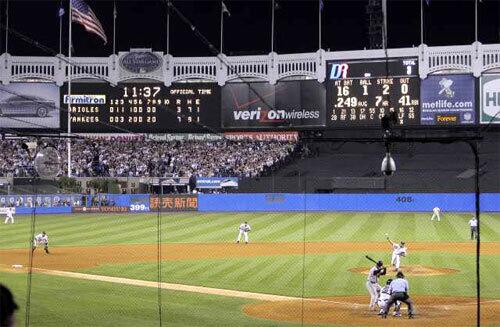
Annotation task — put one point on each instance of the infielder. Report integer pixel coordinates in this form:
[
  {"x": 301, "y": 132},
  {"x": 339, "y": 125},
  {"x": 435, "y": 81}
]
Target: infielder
[
  {"x": 399, "y": 292},
  {"x": 398, "y": 251},
  {"x": 243, "y": 230},
  {"x": 9, "y": 215},
  {"x": 473, "y": 228},
  {"x": 383, "y": 298},
  {"x": 372, "y": 284},
  {"x": 435, "y": 214},
  {"x": 41, "y": 239}
]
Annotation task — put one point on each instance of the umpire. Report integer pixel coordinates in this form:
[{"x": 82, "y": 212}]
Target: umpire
[{"x": 399, "y": 288}]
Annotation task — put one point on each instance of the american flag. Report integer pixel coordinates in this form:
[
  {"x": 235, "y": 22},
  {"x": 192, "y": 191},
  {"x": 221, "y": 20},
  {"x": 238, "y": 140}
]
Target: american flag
[{"x": 81, "y": 13}]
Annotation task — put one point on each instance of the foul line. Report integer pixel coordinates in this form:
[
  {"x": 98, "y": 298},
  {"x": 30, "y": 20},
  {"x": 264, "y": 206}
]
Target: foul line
[{"x": 170, "y": 286}]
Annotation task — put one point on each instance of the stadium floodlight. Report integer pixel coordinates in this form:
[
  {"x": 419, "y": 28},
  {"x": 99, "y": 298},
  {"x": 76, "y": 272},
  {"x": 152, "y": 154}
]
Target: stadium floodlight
[{"x": 388, "y": 165}]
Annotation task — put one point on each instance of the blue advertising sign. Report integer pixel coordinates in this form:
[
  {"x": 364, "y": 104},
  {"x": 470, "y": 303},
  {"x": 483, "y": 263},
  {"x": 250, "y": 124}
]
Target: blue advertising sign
[
  {"x": 448, "y": 100},
  {"x": 216, "y": 182}
]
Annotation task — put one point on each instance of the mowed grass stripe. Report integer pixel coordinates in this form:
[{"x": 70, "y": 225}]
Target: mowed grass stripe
[
  {"x": 199, "y": 228},
  {"x": 329, "y": 224}
]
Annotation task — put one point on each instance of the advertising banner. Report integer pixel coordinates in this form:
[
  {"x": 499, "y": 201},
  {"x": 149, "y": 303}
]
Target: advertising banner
[
  {"x": 45, "y": 200},
  {"x": 261, "y": 105},
  {"x": 106, "y": 209},
  {"x": 174, "y": 202},
  {"x": 490, "y": 99},
  {"x": 263, "y": 136},
  {"x": 29, "y": 106},
  {"x": 216, "y": 182},
  {"x": 184, "y": 137},
  {"x": 448, "y": 100}
]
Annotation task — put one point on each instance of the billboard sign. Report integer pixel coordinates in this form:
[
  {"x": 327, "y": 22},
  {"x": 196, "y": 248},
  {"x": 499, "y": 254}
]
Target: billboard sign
[
  {"x": 262, "y": 105},
  {"x": 173, "y": 202},
  {"x": 216, "y": 182},
  {"x": 490, "y": 99},
  {"x": 448, "y": 100},
  {"x": 29, "y": 106},
  {"x": 262, "y": 136}
]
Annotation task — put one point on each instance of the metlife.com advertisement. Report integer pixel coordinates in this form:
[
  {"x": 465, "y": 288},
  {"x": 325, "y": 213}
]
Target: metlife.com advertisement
[{"x": 448, "y": 100}]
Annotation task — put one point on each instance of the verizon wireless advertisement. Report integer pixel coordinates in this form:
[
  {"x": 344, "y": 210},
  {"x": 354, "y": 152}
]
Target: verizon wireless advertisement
[{"x": 291, "y": 104}]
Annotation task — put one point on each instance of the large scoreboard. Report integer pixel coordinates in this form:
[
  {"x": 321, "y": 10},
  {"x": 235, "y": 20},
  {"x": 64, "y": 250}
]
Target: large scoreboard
[
  {"x": 360, "y": 93},
  {"x": 141, "y": 107}
]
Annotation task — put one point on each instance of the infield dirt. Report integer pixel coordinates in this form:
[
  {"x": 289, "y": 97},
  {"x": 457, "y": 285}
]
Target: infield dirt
[{"x": 81, "y": 257}]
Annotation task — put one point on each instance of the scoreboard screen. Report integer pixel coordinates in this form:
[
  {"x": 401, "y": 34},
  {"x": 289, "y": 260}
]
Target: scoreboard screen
[
  {"x": 359, "y": 93},
  {"x": 141, "y": 107}
]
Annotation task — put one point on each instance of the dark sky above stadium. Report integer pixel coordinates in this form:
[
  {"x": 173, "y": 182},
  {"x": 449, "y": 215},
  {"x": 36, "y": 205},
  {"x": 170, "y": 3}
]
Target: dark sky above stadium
[{"x": 142, "y": 24}]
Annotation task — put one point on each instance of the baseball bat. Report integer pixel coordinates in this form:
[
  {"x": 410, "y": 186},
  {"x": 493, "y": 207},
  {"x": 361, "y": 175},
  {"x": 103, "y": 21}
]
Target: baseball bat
[{"x": 369, "y": 258}]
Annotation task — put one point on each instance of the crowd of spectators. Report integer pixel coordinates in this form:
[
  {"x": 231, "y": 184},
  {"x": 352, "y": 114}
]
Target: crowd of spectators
[{"x": 146, "y": 158}]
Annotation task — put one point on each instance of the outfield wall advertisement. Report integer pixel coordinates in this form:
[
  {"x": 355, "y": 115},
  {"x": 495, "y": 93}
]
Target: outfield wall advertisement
[
  {"x": 264, "y": 202},
  {"x": 448, "y": 100},
  {"x": 490, "y": 99}
]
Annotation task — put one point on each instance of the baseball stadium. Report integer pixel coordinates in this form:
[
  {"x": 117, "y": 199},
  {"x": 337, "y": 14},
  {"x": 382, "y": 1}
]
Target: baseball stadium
[{"x": 188, "y": 163}]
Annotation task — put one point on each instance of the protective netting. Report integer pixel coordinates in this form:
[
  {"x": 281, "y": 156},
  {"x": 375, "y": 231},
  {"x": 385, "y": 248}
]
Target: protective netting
[{"x": 149, "y": 250}]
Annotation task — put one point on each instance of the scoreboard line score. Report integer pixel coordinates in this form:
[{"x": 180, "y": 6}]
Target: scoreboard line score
[
  {"x": 142, "y": 107},
  {"x": 360, "y": 93}
]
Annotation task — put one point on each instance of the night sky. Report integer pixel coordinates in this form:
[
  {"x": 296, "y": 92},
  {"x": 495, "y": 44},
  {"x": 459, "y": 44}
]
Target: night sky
[{"x": 142, "y": 24}]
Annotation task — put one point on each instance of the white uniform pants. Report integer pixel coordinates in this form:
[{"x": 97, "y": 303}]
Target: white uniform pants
[
  {"x": 396, "y": 260},
  {"x": 373, "y": 291},
  {"x": 245, "y": 234},
  {"x": 9, "y": 218},
  {"x": 436, "y": 215}
]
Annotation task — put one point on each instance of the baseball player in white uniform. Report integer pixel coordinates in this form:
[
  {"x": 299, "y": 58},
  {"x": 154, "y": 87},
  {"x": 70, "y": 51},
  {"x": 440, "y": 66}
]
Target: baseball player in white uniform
[
  {"x": 435, "y": 214},
  {"x": 9, "y": 215},
  {"x": 243, "y": 231},
  {"x": 372, "y": 284},
  {"x": 41, "y": 239},
  {"x": 398, "y": 251}
]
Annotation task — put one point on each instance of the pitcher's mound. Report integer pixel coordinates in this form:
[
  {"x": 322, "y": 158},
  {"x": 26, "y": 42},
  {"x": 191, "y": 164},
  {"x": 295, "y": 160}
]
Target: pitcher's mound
[
  {"x": 415, "y": 270},
  {"x": 353, "y": 311}
]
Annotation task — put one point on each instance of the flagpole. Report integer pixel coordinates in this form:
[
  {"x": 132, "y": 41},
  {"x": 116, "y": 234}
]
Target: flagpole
[
  {"x": 168, "y": 26},
  {"x": 114, "y": 27},
  {"x": 221, "y": 24},
  {"x": 421, "y": 21},
  {"x": 272, "y": 26},
  {"x": 70, "y": 68},
  {"x": 6, "y": 28},
  {"x": 475, "y": 21},
  {"x": 60, "y": 27},
  {"x": 319, "y": 25},
  {"x": 384, "y": 28}
]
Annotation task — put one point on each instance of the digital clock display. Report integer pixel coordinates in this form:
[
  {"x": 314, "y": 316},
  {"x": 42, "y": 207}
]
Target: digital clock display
[
  {"x": 142, "y": 107},
  {"x": 360, "y": 93}
]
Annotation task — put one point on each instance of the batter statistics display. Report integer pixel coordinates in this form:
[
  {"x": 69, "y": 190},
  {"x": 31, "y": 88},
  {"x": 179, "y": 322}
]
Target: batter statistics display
[
  {"x": 359, "y": 93},
  {"x": 142, "y": 107}
]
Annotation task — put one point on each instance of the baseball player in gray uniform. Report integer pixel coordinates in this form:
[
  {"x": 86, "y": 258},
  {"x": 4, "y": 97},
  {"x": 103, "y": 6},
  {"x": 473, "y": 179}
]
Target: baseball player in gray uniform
[
  {"x": 243, "y": 231},
  {"x": 384, "y": 297},
  {"x": 372, "y": 284}
]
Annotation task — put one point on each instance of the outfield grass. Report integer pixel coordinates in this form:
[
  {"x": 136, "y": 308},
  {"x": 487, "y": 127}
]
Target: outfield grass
[
  {"x": 58, "y": 301},
  {"x": 90, "y": 229}
]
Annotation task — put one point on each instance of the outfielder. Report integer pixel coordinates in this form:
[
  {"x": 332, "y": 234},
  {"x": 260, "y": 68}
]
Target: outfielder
[
  {"x": 435, "y": 214},
  {"x": 398, "y": 251},
  {"x": 9, "y": 215},
  {"x": 372, "y": 284},
  {"x": 243, "y": 230},
  {"x": 41, "y": 239}
]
